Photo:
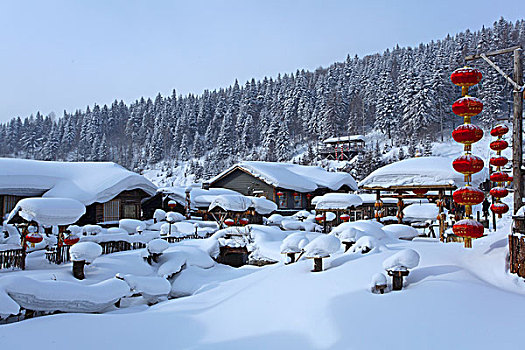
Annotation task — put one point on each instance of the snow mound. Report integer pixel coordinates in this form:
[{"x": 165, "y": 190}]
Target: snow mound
[
  {"x": 365, "y": 244},
  {"x": 351, "y": 234},
  {"x": 174, "y": 216},
  {"x": 131, "y": 225},
  {"x": 378, "y": 279},
  {"x": 262, "y": 205},
  {"x": 116, "y": 231},
  {"x": 152, "y": 288},
  {"x": 402, "y": 260},
  {"x": 92, "y": 229},
  {"x": 49, "y": 211},
  {"x": 159, "y": 215},
  {"x": 85, "y": 251},
  {"x": 294, "y": 243},
  {"x": 157, "y": 246},
  {"x": 275, "y": 219},
  {"x": 398, "y": 231},
  {"x": 231, "y": 202},
  {"x": 369, "y": 227},
  {"x": 322, "y": 246},
  {"x": 172, "y": 266},
  {"x": 423, "y": 211},
  {"x": 74, "y": 229},
  {"x": 333, "y": 201}
]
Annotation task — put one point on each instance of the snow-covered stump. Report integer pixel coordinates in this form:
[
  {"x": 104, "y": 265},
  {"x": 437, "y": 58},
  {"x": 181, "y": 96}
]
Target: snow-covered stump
[
  {"x": 81, "y": 254},
  {"x": 294, "y": 244},
  {"x": 155, "y": 249},
  {"x": 320, "y": 248},
  {"x": 398, "y": 266},
  {"x": 379, "y": 283}
]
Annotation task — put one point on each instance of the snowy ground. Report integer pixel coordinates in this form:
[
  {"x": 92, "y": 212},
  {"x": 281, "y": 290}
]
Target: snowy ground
[{"x": 455, "y": 298}]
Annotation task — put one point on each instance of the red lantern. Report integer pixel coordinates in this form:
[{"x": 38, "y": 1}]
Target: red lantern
[
  {"x": 466, "y": 77},
  {"x": 34, "y": 238},
  {"x": 295, "y": 194},
  {"x": 499, "y": 176},
  {"x": 498, "y": 161},
  {"x": 468, "y": 164},
  {"x": 468, "y": 196},
  {"x": 467, "y": 106},
  {"x": 345, "y": 217},
  {"x": 499, "y": 130},
  {"x": 467, "y": 134},
  {"x": 172, "y": 204},
  {"x": 499, "y": 208},
  {"x": 510, "y": 178},
  {"x": 319, "y": 218},
  {"x": 243, "y": 221},
  {"x": 279, "y": 193},
  {"x": 229, "y": 222},
  {"x": 419, "y": 191},
  {"x": 468, "y": 228},
  {"x": 499, "y": 145},
  {"x": 499, "y": 192},
  {"x": 308, "y": 196},
  {"x": 71, "y": 239}
]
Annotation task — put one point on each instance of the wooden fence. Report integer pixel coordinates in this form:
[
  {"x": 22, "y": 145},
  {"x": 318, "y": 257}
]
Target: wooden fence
[{"x": 13, "y": 258}]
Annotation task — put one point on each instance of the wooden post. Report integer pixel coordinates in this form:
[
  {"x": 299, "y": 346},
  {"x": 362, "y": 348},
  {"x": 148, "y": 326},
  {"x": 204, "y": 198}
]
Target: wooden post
[
  {"x": 441, "y": 221},
  {"x": 292, "y": 257},
  {"x": 378, "y": 209},
  {"x": 517, "y": 137},
  {"x": 78, "y": 269},
  {"x": 318, "y": 265}
]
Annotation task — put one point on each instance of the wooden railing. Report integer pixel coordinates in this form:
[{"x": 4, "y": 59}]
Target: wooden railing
[{"x": 13, "y": 258}]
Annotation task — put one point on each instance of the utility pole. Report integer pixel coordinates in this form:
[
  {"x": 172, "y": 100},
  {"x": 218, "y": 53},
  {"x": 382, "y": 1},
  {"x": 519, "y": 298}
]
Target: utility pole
[{"x": 517, "y": 124}]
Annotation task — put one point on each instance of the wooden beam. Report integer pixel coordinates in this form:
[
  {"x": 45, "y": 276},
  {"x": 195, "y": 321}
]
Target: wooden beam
[
  {"x": 492, "y": 53},
  {"x": 517, "y": 133},
  {"x": 500, "y": 71}
]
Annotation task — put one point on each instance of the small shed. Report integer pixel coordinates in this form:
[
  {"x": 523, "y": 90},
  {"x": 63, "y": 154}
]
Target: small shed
[{"x": 342, "y": 147}]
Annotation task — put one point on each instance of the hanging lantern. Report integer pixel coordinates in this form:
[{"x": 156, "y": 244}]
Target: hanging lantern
[
  {"x": 468, "y": 229},
  {"x": 34, "y": 238},
  {"x": 71, "y": 239},
  {"x": 466, "y": 77},
  {"x": 467, "y": 134},
  {"x": 244, "y": 221},
  {"x": 279, "y": 193},
  {"x": 468, "y": 196},
  {"x": 499, "y": 130},
  {"x": 498, "y": 161},
  {"x": 468, "y": 164},
  {"x": 295, "y": 194},
  {"x": 319, "y": 218},
  {"x": 308, "y": 196},
  {"x": 172, "y": 204},
  {"x": 499, "y": 145},
  {"x": 499, "y": 192},
  {"x": 229, "y": 222},
  {"x": 467, "y": 107},
  {"x": 499, "y": 176},
  {"x": 510, "y": 178},
  {"x": 419, "y": 191},
  {"x": 345, "y": 217},
  {"x": 499, "y": 208}
]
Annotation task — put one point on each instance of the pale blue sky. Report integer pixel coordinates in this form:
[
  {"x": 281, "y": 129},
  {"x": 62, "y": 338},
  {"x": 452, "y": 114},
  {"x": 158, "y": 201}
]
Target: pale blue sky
[{"x": 57, "y": 55}]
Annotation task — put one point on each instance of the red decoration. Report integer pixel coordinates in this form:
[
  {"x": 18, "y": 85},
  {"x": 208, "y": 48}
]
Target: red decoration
[
  {"x": 510, "y": 178},
  {"x": 498, "y": 161},
  {"x": 308, "y": 196},
  {"x": 244, "y": 221},
  {"x": 172, "y": 204},
  {"x": 499, "y": 176},
  {"x": 499, "y": 208},
  {"x": 499, "y": 145},
  {"x": 295, "y": 194},
  {"x": 467, "y": 134},
  {"x": 34, "y": 238},
  {"x": 468, "y": 164},
  {"x": 345, "y": 217},
  {"x": 70, "y": 240},
  {"x": 499, "y": 192},
  {"x": 499, "y": 130},
  {"x": 468, "y": 228},
  {"x": 229, "y": 222},
  {"x": 468, "y": 196},
  {"x": 467, "y": 106},
  {"x": 466, "y": 76},
  {"x": 319, "y": 218},
  {"x": 420, "y": 191},
  {"x": 279, "y": 193}
]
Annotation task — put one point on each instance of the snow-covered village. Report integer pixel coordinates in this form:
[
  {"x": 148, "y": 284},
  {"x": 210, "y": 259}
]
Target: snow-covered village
[{"x": 298, "y": 183}]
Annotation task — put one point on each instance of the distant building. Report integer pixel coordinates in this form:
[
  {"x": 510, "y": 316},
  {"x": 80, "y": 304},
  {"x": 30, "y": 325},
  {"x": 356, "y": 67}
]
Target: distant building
[
  {"x": 109, "y": 191},
  {"x": 290, "y": 186},
  {"x": 342, "y": 147}
]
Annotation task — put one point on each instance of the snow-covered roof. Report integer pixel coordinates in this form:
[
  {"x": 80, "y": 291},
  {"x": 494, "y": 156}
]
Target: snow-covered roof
[
  {"x": 240, "y": 203},
  {"x": 87, "y": 182},
  {"x": 199, "y": 197},
  {"x": 421, "y": 171},
  {"x": 301, "y": 178},
  {"x": 49, "y": 211},
  {"x": 334, "y": 201},
  {"x": 345, "y": 139}
]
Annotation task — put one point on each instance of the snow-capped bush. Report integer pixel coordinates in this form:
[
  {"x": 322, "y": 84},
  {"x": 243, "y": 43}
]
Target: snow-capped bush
[
  {"x": 85, "y": 251},
  {"x": 159, "y": 215},
  {"x": 365, "y": 244},
  {"x": 398, "y": 231},
  {"x": 131, "y": 225},
  {"x": 402, "y": 260},
  {"x": 294, "y": 243},
  {"x": 322, "y": 246},
  {"x": 174, "y": 216},
  {"x": 157, "y": 246}
]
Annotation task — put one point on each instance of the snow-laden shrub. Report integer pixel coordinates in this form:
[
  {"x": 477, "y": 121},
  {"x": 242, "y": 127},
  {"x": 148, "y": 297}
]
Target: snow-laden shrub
[
  {"x": 294, "y": 243},
  {"x": 322, "y": 246},
  {"x": 174, "y": 216},
  {"x": 398, "y": 231},
  {"x": 402, "y": 260},
  {"x": 157, "y": 246},
  {"x": 131, "y": 225},
  {"x": 85, "y": 251},
  {"x": 159, "y": 215},
  {"x": 92, "y": 230}
]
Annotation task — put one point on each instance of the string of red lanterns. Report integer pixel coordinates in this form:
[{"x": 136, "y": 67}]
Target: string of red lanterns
[
  {"x": 499, "y": 177},
  {"x": 467, "y": 164}
]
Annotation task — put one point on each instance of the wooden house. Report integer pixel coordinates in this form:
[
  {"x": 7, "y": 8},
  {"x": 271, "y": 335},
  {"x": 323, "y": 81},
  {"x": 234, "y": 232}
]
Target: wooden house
[
  {"x": 290, "y": 186},
  {"x": 342, "y": 147},
  {"x": 109, "y": 191}
]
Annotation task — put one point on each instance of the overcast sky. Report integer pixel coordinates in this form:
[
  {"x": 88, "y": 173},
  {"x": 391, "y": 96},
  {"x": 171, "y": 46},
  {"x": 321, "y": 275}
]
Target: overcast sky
[{"x": 57, "y": 55}]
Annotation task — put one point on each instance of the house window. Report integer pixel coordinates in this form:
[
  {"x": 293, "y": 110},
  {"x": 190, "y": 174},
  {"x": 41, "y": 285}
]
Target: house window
[
  {"x": 130, "y": 211},
  {"x": 9, "y": 204},
  {"x": 282, "y": 200},
  {"x": 112, "y": 210},
  {"x": 297, "y": 200}
]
